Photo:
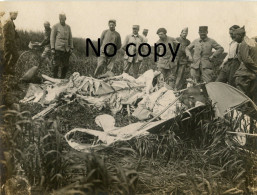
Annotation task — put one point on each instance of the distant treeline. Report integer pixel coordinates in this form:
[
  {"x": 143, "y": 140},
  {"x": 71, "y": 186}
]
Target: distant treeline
[{"x": 37, "y": 36}]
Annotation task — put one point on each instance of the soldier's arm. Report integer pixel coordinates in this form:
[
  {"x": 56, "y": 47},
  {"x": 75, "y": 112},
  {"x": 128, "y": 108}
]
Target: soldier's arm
[
  {"x": 188, "y": 42},
  {"x": 219, "y": 49},
  {"x": 6, "y": 31},
  {"x": 175, "y": 41},
  {"x": 246, "y": 59},
  {"x": 102, "y": 37},
  {"x": 70, "y": 39},
  {"x": 125, "y": 43},
  {"x": 225, "y": 59},
  {"x": 45, "y": 41},
  {"x": 17, "y": 36},
  {"x": 158, "y": 51},
  {"x": 118, "y": 42},
  {"x": 53, "y": 37},
  {"x": 188, "y": 50},
  {"x": 142, "y": 41}
]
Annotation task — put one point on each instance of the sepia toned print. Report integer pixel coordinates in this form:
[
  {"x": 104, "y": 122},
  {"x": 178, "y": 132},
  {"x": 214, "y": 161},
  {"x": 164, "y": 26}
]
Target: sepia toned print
[{"x": 128, "y": 97}]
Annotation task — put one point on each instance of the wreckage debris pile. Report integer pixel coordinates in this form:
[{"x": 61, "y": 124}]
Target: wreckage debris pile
[
  {"x": 138, "y": 97},
  {"x": 112, "y": 93}
]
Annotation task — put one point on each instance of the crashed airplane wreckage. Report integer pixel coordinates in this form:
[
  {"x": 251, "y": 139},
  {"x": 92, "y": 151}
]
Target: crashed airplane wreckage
[{"x": 156, "y": 107}]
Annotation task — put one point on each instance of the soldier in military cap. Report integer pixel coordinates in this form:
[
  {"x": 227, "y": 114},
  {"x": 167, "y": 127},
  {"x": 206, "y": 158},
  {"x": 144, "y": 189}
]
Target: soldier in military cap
[
  {"x": 10, "y": 36},
  {"x": 231, "y": 63},
  {"x": 1, "y": 41},
  {"x": 202, "y": 67},
  {"x": 144, "y": 35},
  {"x": 131, "y": 57},
  {"x": 46, "y": 42},
  {"x": 108, "y": 36},
  {"x": 164, "y": 63},
  {"x": 61, "y": 46},
  {"x": 182, "y": 62},
  {"x": 1, "y": 15},
  {"x": 246, "y": 75}
]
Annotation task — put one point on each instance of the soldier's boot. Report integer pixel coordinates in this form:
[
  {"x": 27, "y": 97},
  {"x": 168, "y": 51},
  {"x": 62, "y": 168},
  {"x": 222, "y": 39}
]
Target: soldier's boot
[
  {"x": 55, "y": 71},
  {"x": 64, "y": 71}
]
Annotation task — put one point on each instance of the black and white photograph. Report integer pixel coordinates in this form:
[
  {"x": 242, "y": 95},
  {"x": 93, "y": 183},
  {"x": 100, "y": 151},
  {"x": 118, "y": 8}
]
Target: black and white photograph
[{"x": 128, "y": 97}]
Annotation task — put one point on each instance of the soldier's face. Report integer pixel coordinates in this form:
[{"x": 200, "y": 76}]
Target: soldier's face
[
  {"x": 62, "y": 20},
  {"x": 2, "y": 14},
  {"x": 14, "y": 16},
  {"x": 135, "y": 31},
  {"x": 47, "y": 26},
  {"x": 145, "y": 33},
  {"x": 231, "y": 34},
  {"x": 162, "y": 35},
  {"x": 184, "y": 34},
  {"x": 203, "y": 34},
  {"x": 238, "y": 37},
  {"x": 112, "y": 26}
]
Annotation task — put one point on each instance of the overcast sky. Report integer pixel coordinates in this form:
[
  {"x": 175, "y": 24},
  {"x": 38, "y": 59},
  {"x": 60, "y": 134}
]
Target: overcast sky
[{"x": 88, "y": 19}]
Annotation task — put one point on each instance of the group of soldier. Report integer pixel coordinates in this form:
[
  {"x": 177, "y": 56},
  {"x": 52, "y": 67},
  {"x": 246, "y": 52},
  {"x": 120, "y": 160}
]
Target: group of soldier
[
  {"x": 238, "y": 69},
  {"x": 194, "y": 59},
  {"x": 57, "y": 42}
]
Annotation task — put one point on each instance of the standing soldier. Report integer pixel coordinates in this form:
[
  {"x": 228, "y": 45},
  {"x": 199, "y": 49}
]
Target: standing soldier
[
  {"x": 1, "y": 15},
  {"x": 132, "y": 58},
  {"x": 10, "y": 48},
  {"x": 144, "y": 35},
  {"x": 202, "y": 67},
  {"x": 145, "y": 40},
  {"x": 108, "y": 36},
  {"x": 46, "y": 42},
  {"x": 164, "y": 63},
  {"x": 231, "y": 63},
  {"x": 1, "y": 41},
  {"x": 247, "y": 71},
  {"x": 61, "y": 46},
  {"x": 183, "y": 70}
]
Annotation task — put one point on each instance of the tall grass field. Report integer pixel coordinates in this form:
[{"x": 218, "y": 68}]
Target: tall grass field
[{"x": 193, "y": 158}]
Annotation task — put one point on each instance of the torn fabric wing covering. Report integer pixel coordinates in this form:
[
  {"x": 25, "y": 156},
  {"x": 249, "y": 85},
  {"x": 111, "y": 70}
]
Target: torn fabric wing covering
[
  {"x": 226, "y": 97},
  {"x": 34, "y": 93},
  {"x": 126, "y": 90},
  {"x": 114, "y": 92},
  {"x": 107, "y": 137}
]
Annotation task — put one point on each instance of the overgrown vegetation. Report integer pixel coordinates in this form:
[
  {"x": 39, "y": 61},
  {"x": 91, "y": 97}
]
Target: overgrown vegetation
[
  {"x": 190, "y": 157},
  {"x": 169, "y": 161}
]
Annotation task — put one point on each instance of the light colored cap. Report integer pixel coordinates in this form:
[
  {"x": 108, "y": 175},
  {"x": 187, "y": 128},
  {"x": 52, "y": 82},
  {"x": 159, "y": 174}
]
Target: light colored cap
[
  {"x": 47, "y": 23},
  {"x": 185, "y": 30},
  {"x": 136, "y": 26},
  {"x": 2, "y": 13},
  {"x": 14, "y": 12},
  {"x": 112, "y": 20},
  {"x": 239, "y": 30},
  {"x": 161, "y": 30},
  {"x": 62, "y": 15},
  {"x": 203, "y": 28}
]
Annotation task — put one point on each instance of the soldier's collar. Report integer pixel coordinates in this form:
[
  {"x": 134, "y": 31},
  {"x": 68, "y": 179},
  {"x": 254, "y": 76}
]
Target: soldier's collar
[{"x": 204, "y": 40}]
